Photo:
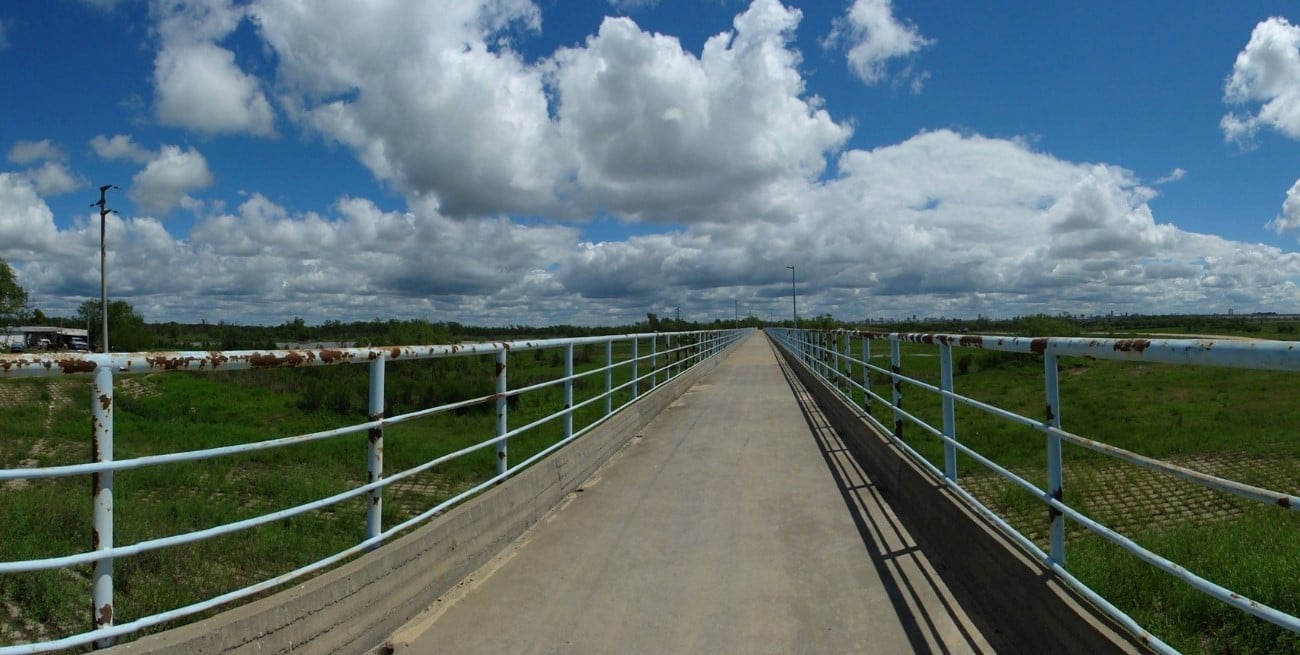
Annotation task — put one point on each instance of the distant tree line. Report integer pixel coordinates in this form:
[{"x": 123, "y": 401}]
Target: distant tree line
[{"x": 129, "y": 331}]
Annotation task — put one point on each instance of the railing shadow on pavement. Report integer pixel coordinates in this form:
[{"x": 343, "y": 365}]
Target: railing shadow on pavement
[
  {"x": 827, "y": 357},
  {"x": 929, "y": 615}
]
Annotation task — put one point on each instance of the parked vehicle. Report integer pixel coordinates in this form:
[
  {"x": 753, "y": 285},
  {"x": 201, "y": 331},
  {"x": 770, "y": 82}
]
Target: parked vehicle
[
  {"x": 78, "y": 344},
  {"x": 17, "y": 346}
]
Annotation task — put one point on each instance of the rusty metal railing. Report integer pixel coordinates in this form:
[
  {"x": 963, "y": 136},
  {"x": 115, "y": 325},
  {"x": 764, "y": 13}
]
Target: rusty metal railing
[
  {"x": 829, "y": 355},
  {"x": 681, "y": 351}
]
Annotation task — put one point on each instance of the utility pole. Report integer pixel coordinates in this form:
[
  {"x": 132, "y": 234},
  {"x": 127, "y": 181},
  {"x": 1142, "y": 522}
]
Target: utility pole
[
  {"x": 794, "y": 298},
  {"x": 736, "y": 308},
  {"x": 104, "y": 211}
]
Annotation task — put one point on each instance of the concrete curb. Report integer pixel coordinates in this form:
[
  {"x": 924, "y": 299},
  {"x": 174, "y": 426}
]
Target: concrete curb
[{"x": 352, "y": 609}]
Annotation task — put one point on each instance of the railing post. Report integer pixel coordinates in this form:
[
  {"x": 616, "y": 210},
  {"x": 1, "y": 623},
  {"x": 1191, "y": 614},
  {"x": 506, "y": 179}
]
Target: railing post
[
  {"x": 814, "y": 357},
  {"x": 866, "y": 375},
  {"x": 833, "y": 359},
  {"x": 568, "y": 390},
  {"x": 816, "y": 342},
  {"x": 636, "y": 365},
  {"x": 502, "y": 422},
  {"x": 672, "y": 356},
  {"x": 949, "y": 413},
  {"x": 1055, "y": 479},
  {"x": 800, "y": 340},
  {"x": 375, "y": 450},
  {"x": 654, "y": 361},
  {"x": 101, "y": 440},
  {"x": 830, "y": 357},
  {"x": 846, "y": 373},
  {"x": 825, "y": 356},
  {"x": 609, "y": 376},
  {"x": 896, "y": 366}
]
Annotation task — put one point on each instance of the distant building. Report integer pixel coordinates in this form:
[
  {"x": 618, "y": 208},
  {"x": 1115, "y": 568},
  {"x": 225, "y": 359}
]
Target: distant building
[{"x": 51, "y": 338}]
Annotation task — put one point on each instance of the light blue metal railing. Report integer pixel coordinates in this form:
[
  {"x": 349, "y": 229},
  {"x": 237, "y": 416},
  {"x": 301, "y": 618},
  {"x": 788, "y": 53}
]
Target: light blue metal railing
[
  {"x": 829, "y": 355},
  {"x": 681, "y": 351}
]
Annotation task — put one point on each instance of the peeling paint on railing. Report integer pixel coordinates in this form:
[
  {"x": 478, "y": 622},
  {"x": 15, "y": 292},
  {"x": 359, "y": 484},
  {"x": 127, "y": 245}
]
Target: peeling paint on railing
[
  {"x": 690, "y": 349},
  {"x": 809, "y": 347}
]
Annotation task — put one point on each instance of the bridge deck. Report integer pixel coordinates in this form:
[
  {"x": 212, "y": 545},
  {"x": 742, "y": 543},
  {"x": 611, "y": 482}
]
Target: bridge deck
[{"x": 736, "y": 524}]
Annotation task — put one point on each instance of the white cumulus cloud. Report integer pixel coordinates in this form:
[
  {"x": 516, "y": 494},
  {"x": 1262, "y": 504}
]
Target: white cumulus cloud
[
  {"x": 1289, "y": 219},
  {"x": 27, "y": 228},
  {"x": 1267, "y": 73},
  {"x": 197, "y": 83},
  {"x": 432, "y": 99},
  {"x": 944, "y": 223},
  {"x": 872, "y": 36},
  {"x": 724, "y": 143},
  {"x": 1173, "y": 176},
  {"x": 660, "y": 133},
  {"x": 168, "y": 178},
  {"x": 428, "y": 95},
  {"x": 941, "y": 223},
  {"x": 26, "y": 152},
  {"x": 54, "y": 178},
  {"x": 120, "y": 146}
]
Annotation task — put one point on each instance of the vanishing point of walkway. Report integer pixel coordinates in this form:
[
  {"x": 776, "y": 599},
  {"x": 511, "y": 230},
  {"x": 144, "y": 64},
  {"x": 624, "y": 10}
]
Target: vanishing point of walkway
[{"x": 736, "y": 523}]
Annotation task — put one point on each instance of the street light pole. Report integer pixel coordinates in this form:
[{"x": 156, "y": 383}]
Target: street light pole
[
  {"x": 104, "y": 211},
  {"x": 794, "y": 298}
]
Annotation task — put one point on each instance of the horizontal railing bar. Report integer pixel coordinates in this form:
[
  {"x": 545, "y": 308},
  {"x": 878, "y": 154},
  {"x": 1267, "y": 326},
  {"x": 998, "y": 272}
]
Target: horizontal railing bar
[
  {"x": 1258, "y": 494},
  {"x": 237, "y": 526},
  {"x": 1251, "y": 492},
  {"x": 1024, "y": 542},
  {"x": 1222, "y": 352},
  {"x": 68, "y": 470},
  {"x": 1270, "y": 614},
  {"x": 430, "y": 411},
  {"x": 1174, "y": 351},
  {"x": 233, "y": 360},
  {"x": 155, "y": 619},
  {"x": 710, "y": 341}
]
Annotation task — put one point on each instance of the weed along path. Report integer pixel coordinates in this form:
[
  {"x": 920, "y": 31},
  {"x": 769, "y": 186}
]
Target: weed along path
[{"x": 724, "y": 528}]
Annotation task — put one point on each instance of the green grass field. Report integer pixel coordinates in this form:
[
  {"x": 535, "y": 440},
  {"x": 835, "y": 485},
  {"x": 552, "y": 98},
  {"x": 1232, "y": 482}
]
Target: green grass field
[
  {"x": 1233, "y": 423},
  {"x": 47, "y": 422}
]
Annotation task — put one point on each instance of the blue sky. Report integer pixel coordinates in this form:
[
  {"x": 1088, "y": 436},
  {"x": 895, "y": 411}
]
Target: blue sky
[{"x": 508, "y": 161}]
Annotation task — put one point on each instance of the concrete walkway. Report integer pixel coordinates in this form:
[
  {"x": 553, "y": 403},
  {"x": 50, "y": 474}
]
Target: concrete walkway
[{"x": 735, "y": 524}]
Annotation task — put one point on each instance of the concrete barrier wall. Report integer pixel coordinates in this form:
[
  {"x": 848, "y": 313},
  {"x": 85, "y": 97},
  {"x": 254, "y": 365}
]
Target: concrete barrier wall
[
  {"x": 1016, "y": 602},
  {"x": 354, "y": 608}
]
